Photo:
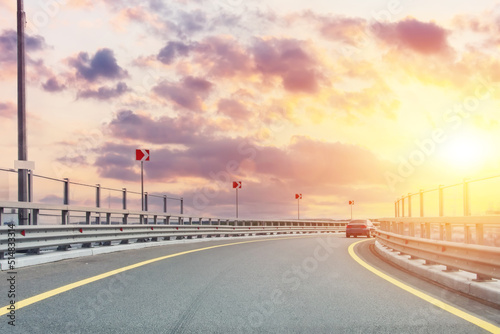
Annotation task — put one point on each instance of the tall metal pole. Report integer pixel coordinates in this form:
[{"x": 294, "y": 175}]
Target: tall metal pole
[
  {"x": 351, "y": 211},
  {"x": 236, "y": 202},
  {"x": 142, "y": 185},
  {"x": 21, "y": 113},
  {"x": 298, "y": 208}
]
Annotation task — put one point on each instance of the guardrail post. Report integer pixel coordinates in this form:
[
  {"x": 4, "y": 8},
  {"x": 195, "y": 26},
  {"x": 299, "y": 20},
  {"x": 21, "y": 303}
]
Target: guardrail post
[
  {"x": 448, "y": 231},
  {"x": 403, "y": 206},
  {"x": 190, "y": 220},
  {"x": 428, "y": 230},
  {"x": 466, "y": 198},
  {"x": 412, "y": 229},
  {"x": 441, "y": 231},
  {"x": 441, "y": 199},
  {"x": 479, "y": 234},
  {"x": 34, "y": 213},
  {"x": 124, "y": 191},
  {"x": 98, "y": 202},
  {"x": 146, "y": 206},
  {"x": 65, "y": 213},
  {"x": 409, "y": 205},
  {"x": 201, "y": 221},
  {"x": 421, "y": 203},
  {"x": 108, "y": 218},
  {"x": 467, "y": 234}
]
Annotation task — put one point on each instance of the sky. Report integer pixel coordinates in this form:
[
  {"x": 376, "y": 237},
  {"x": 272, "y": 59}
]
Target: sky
[{"x": 365, "y": 101}]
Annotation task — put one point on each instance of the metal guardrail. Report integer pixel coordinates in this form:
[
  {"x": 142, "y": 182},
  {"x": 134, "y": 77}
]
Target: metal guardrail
[
  {"x": 482, "y": 260},
  {"x": 37, "y": 237},
  {"x": 480, "y": 230},
  {"x": 152, "y": 226}
]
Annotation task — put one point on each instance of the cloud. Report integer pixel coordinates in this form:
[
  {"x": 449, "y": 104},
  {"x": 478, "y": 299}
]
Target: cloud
[
  {"x": 8, "y": 110},
  {"x": 172, "y": 50},
  {"x": 53, "y": 85},
  {"x": 102, "y": 65},
  {"x": 104, "y": 93},
  {"x": 421, "y": 37},
  {"x": 128, "y": 125},
  {"x": 343, "y": 29},
  {"x": 8, "y": 45},
  {"x": 188, "y": 93},
  {"x": 288, "y": 59},
  {"x": 234, "y": 110}
]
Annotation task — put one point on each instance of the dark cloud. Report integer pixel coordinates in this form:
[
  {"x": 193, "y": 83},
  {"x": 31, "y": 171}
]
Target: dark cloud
[
  {"x": 102, "y": 65},
  {"x": 172, "y": 50},
  {"x": 8, "y": 45},
  {"x": 53, "y": 85},
  {"x": 104, "y": 93},
  {"x": 164, "y": 130},
  {"x": 8, "y": 110},
  {"x": 191, "y": 22},
  {"x": 188, "y": 93},
  {"x": 422, "y": 37}
]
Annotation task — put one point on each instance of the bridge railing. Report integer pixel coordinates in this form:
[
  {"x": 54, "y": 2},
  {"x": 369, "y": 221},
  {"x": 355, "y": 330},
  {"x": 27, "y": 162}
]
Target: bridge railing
[
  {"x": 121, "y": 197},
  {"x": 89, "y": 226},
  {"x": 470, "y": 243}
]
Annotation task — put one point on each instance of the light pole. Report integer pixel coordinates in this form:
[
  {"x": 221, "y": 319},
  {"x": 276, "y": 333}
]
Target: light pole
[
  {"x": 351, "y": 203},
  {"x": 21, "y": 114}
]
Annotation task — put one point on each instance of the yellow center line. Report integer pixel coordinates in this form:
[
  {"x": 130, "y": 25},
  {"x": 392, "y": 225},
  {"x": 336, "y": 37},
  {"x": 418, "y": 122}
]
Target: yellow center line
[
  {"x": 453, "y": 310},
  {"x": 26, "y": 302}
]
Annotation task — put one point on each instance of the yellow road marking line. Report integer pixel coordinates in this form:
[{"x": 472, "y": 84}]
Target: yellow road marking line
[
  {"x": 434, "y": 301},
  {"x": 54, "y": 292}
]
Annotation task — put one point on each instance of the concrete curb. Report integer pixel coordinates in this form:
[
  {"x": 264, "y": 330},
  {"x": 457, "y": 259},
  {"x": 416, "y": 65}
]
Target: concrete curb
[
  {"x": 53, "y": 256},
  {"x": 461, "y": 280}
]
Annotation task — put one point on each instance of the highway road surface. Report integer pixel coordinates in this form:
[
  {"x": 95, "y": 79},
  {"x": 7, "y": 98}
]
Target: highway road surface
[{"x": 292, "y": 284}]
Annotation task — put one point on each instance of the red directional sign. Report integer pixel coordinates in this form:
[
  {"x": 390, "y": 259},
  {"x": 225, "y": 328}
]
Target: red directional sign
[
  {"x": 298, "y": 196},
  {"x": 142, "y": 155},
  {"x": 237, "y": 184},
  {"x": 351, "y": 202}
]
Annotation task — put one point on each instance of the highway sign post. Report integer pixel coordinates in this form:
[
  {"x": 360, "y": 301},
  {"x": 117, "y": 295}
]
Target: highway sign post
[
  {"x": 236, "y": 185},
  {"x": 142, "y": 155},
  {"x": 298, "y": 197},
  {"x": 351, "y": 203}
]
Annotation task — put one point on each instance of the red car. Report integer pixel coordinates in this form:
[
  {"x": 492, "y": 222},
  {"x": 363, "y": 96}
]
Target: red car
[{"x": 359, "y": 227}]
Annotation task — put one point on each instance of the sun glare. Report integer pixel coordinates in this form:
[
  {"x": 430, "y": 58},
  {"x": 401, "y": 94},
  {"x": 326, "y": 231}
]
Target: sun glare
[{"x": 465, "y": 151}]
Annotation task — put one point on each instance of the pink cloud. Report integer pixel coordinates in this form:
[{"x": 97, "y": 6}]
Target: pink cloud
[
  {"x": 421, "y": 37},
  {"x": 188, "y": 93}
]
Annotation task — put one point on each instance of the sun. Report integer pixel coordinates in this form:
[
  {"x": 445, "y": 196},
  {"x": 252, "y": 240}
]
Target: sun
[{"x": 466, "y": 150}]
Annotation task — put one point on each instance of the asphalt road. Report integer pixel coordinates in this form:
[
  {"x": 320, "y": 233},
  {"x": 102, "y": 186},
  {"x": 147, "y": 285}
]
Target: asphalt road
[{"x": 287, "y": 285}]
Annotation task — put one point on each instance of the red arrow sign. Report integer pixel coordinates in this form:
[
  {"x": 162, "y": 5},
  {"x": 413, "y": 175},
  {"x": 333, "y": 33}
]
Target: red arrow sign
[
  {"x": 351, "y": 202},
  {"x": 142, "y": 155},
  {"x": 298, "y": 196},
  {"x": 237, "y": 184}
]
